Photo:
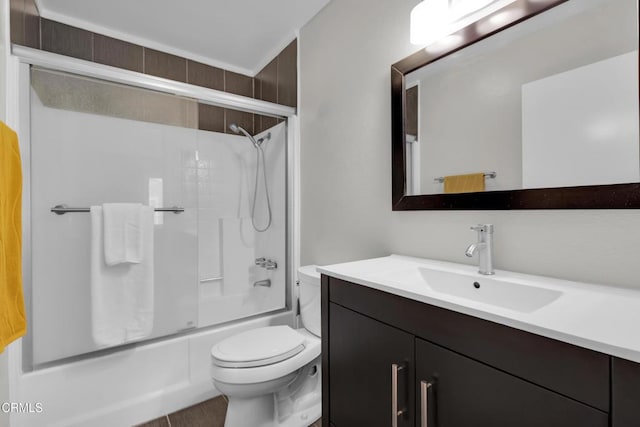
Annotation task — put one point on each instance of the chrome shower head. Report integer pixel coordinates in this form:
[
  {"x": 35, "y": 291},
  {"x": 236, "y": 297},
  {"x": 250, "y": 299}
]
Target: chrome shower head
[{"x": 238, "y": 129}]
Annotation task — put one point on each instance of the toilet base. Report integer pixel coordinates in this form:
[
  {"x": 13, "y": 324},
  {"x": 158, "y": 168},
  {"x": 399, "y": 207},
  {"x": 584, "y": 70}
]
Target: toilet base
[
  {"x": 303, "y": 418},
  {"x": 250, "y": 412},
  {"x": 259, "y": 412},
  {"x": 299, "y": 404}
]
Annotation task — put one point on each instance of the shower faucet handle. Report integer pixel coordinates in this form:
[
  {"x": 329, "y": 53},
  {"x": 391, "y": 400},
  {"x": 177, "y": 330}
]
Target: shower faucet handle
[{"x": 266, "y": 263}]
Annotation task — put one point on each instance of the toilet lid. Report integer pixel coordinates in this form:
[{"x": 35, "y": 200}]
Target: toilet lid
[{"x": 258, "y": 347}]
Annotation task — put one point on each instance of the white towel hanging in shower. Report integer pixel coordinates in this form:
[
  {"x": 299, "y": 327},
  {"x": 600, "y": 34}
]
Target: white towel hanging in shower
[
  {"x": 122, "y": 232},
  {"x": 122, "y": 294}
]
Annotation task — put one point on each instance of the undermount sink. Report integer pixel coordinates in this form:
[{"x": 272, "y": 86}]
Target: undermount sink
[{"x": 489, "y": 290}]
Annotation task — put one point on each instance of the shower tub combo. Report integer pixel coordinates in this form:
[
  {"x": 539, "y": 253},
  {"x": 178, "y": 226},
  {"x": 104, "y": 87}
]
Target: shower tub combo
[{"x": 221, "y": 246}]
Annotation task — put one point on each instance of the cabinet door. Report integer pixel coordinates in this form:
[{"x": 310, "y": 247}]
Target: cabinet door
[
  {"x": 460, "y": 392},
  {"x": 625, "y": 393},
  {"x": 362, "y": 353}
]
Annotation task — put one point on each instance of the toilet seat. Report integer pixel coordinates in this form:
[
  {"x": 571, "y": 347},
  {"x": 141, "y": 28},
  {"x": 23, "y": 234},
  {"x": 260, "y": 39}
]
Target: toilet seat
[
  {"x": 258, "y": 347},
  {"x": 258, "y": 374}
]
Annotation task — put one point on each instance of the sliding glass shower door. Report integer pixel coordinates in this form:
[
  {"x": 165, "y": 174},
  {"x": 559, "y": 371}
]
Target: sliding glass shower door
[{"x": 93, "y": 143}]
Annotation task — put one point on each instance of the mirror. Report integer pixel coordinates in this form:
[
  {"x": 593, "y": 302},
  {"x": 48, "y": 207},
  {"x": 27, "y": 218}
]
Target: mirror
[{"x": 534, "y": 106}]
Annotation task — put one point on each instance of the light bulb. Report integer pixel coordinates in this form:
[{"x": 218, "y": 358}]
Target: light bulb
[
  {"x": 429, "y": 21},
  {"x": 432, "y": 20}
]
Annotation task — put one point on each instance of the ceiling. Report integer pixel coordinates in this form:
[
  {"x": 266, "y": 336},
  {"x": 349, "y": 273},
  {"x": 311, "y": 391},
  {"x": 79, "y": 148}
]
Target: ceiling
[{"x": 238, "y": 35}]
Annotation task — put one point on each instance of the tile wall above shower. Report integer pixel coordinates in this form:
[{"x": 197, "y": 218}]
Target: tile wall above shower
[{"x": 276, "y": 82}]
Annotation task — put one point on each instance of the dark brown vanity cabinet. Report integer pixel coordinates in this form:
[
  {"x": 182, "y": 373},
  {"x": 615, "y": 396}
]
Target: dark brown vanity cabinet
[
  {"x": 463, "y": 392},
  {"x": 386, "y": 355},
  {"x": 369, "y": 357}
]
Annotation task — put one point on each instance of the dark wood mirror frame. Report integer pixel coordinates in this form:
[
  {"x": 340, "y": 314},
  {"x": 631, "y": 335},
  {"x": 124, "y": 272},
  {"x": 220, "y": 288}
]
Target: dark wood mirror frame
[{"x": 614, "y": 196}]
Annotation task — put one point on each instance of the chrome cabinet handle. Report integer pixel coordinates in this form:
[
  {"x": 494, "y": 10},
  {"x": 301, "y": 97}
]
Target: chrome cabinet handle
[
  {"x": 424, "y": 403},
  {"x": 395, "y": 413}
]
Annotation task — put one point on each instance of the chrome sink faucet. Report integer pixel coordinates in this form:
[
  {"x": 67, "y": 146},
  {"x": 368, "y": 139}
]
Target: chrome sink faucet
[{"x": 484, "y": 247}]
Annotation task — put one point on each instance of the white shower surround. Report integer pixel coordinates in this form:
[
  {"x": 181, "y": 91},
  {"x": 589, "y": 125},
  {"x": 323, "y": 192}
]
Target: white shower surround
[
  {"x": 235, "y": 158},
  {"x": 189, "y": 355}
]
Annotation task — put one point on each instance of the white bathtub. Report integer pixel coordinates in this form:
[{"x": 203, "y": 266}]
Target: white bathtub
[{"x": 127, "y": 387}]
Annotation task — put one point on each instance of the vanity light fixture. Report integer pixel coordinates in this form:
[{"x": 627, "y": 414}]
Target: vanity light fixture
[{"x": 431, "y": 20}]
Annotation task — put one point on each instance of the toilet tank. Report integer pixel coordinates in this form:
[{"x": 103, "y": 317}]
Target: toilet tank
[{"x": 309, "y": 294}]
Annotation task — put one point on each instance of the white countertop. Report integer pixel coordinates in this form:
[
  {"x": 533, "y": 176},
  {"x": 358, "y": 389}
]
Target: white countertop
[{"x": 597, "y": 317}]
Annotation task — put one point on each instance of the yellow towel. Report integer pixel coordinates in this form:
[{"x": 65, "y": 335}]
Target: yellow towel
[
  {"x": 464, "y": 183},
  {"x": 12, "y": 315}
]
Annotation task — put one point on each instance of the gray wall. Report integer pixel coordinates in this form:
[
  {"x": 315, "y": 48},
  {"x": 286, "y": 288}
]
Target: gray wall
[
  {"x": 4, "y": 7},
  {"x": 345, "y": 55}
]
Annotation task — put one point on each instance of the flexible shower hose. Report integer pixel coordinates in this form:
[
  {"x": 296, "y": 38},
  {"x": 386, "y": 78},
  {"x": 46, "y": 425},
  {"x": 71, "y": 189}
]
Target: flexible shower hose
[{"x": 259, "y": 157}]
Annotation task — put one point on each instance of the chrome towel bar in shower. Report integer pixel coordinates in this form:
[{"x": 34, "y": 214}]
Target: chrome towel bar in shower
[{"x": 63, "y": 209}]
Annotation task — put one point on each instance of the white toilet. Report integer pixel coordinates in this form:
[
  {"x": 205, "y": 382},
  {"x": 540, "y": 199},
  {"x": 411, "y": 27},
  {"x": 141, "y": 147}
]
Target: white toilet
[{"x": 272, "y": 375}]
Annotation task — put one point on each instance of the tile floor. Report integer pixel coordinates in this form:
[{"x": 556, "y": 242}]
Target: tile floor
[{"x": 209, "y": 413}]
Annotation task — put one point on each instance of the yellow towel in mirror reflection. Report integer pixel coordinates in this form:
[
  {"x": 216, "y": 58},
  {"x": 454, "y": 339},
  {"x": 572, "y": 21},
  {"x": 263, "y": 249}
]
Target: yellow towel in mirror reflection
[{"x": 469, "y": 183}]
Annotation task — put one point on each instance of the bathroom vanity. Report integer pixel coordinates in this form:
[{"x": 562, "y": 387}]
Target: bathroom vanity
[{"x": 400, "y": 349}]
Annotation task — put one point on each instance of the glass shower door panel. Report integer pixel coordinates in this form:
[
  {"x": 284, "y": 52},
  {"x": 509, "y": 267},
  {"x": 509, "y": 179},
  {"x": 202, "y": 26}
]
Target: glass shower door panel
[
  {"x": 229, "y": 245},
  {"x": 82, "y": 156}
]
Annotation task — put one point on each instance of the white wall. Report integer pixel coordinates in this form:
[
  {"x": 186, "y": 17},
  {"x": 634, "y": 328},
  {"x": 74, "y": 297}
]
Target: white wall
[
  {"x": 345, "y": 55},
  {"x": 589, "y": 123},
  {"x": 4, "y": 34}
]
